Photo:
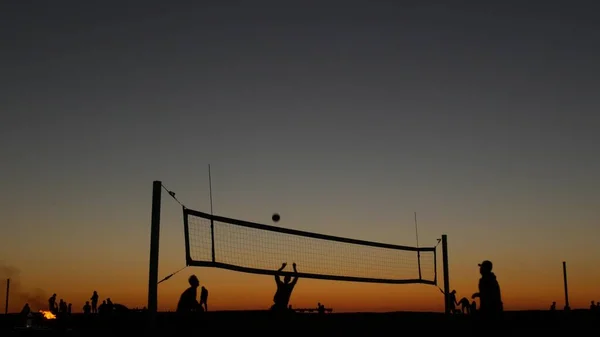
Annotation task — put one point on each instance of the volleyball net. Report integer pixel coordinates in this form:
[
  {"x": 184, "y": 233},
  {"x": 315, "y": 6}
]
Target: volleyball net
[{"x": 243, "y": 246}]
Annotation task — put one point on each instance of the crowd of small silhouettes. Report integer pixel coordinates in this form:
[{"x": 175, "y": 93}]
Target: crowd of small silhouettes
[
  {"x": 463, "y": 306},
  {"x": 320, "y": 309},
  {"x": 92, "y": 307},
  {"x": 594, "y": 306},
  {"x": 62, "y": 308}
]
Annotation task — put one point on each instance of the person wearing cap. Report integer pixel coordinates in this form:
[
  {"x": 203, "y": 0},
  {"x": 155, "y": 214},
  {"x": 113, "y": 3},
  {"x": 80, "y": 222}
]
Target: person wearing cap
[{"x": 490, "y": 298}]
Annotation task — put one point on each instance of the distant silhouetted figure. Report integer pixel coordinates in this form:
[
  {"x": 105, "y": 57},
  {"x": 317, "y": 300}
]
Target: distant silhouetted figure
[
  {"x": 204, "y": 298},
  {"x": 62, "y": 306},
  {"x": 320, "y": 308},
  {"x": 26, "y": 310},
  {"x": 465, "y": 305},
  {"x": 284, "y": 289},
  {"x": 94, "y": 300},
  {"x": 593, "y": 306},
  {"x": 52, "y": 304},
  {"x": 553, "y": 306},
  {"x": 109, "y": 305},
  {"x": 69, "y": 308},
  {"x": 87, "y": 308},
  {"x": 451, "y": 300},
  {"x": 102, "y": 308},
  {"x": 473, "y": 307},
  {"x": 187, "y": 301},
  {"x": 490, "y": 298}
]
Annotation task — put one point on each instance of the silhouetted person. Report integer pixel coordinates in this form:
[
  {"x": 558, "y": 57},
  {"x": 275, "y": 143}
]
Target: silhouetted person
[
  {"x": 204, "y": 298},
  {"x": 465, "y": 305},
  {"x": 553, "y": 306},
  {"x": 490, "y": 298},
  {"x": 320, "y": 308},
  {"x": 69, "y": 307},
  {"x": 473, "y": 307},
  {"x": 26, "y": 310},
  {"x": 102, "y": 308},
  {"x": 26, "y": 315},
  {"x": 62, "y": 306},
  {"x": 87, "y": 308},
  {"x": 94, "y": 300},
  {"x": 52, "y": 304},
  {"x": 451, "y": 300},
  {"x": 284, "y": 289},
  {"x": 593, "y": 306},
  {"x": 187, "y": 301},
  {"x": 109, "y": 305}
]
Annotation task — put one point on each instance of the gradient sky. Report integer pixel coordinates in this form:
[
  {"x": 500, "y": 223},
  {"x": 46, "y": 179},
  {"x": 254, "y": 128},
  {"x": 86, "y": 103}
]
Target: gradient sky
[{"x": 344, "y": 117}]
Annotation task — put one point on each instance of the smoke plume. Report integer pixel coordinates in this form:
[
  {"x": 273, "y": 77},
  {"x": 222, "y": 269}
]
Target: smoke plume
[{"x": 18, "y": 296}]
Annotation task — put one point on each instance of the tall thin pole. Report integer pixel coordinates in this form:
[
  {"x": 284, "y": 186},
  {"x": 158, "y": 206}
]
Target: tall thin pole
[
  {"x": 154, "y": 245},
  {"x": 212, "y": 222},
  {"x": 446, "y": 274},
  {"x": 418, "y": 251},
  {"x": 567, "y": 307},
  {"x": 210, "y": 190},
  {"x": 7, "y": 294}
]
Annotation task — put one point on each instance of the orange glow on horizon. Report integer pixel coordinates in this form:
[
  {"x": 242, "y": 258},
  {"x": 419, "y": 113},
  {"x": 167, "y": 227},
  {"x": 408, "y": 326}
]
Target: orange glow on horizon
[{"x": 235, "y": 291}]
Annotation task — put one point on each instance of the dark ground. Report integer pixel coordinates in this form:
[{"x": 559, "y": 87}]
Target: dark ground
[{"x": 517, "y": 323}]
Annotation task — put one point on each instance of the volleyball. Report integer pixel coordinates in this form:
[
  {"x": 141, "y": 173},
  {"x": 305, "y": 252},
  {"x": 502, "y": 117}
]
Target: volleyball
[{"x": 275, "y": 217}]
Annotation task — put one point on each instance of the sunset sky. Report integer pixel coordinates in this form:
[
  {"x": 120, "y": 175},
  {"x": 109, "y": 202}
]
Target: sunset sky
[{"x": 344, "y": 117}]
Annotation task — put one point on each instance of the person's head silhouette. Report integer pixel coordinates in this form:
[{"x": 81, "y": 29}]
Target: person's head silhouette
[
  {"x": 193, "y": 280},
  {"x": 287, "y": 279},
  {"x": 485, "y": 267}
]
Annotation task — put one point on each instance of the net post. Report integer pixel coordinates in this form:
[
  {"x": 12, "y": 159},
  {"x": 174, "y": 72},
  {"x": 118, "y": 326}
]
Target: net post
[
  {"x": 446, "y": 274},
  {"x": 7, "y": 294},
  {"x": 435, "y": 273},
  {"x": 564, "y": 264},
  {"x": 154, "y": 245},
  {"x": 212, "y": 221}
]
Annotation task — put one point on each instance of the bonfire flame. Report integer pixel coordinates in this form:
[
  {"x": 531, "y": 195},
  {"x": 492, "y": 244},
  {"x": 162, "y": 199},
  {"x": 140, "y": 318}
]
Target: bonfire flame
[{"x": 48, "y": 314}]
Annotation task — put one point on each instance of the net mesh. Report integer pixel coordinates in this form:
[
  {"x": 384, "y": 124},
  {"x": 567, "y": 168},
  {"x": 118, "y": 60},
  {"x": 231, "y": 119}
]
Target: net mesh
[{"x": 261, "y": 249}]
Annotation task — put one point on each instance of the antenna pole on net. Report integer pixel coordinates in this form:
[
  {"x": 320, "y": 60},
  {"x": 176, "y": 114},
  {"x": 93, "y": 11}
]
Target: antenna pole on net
[
  {"x": 418, "y": 251},
  {"x": 212, "y": 222},
  {"x": 210, "y": 190}
]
